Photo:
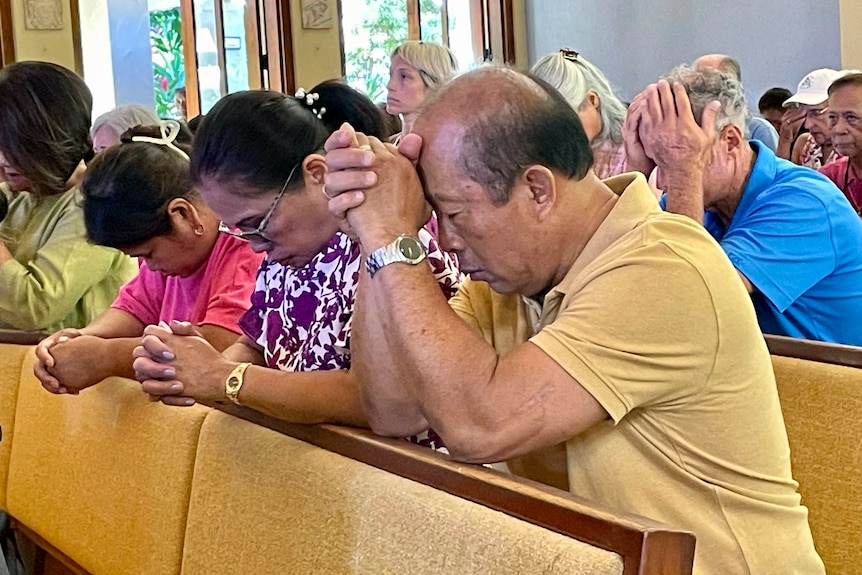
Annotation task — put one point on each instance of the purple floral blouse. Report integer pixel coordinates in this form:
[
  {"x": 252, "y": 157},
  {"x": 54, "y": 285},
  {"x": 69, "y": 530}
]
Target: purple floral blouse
[{"x": 302, "y": 317}]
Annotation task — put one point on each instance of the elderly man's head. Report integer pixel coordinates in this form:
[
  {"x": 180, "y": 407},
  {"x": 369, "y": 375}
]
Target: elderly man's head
[
  {"x": 704, "y": 85},
  {"x": 845, "y": 116},
  {"x": 498, "y": 149},
  {"x": 722, "y": 63}
]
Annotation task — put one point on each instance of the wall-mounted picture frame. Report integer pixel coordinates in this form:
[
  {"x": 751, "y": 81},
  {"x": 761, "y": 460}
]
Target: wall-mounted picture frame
[
  {"x": 316, "y": 14},
  {"x": 43, "y": 14}
]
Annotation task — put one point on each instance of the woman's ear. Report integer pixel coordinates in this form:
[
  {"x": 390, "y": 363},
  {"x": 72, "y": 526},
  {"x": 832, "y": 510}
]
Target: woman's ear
[
  {"x": 313, "y": 169},
  {"x": 185, "y": 217},
  {"x": 593, "y": 99}
]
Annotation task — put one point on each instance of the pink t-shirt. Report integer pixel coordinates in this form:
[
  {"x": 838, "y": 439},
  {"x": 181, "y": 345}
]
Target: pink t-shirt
[{"x": 216, "y": 294}]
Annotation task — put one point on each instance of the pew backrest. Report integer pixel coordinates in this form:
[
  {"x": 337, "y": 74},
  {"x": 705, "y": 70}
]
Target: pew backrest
[{"x": 821, "y": 398}]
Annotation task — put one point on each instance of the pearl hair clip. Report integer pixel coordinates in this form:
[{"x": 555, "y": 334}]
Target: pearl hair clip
[
  {"x": 310, "y": 99},
  {"x": 170, "y": 129}
]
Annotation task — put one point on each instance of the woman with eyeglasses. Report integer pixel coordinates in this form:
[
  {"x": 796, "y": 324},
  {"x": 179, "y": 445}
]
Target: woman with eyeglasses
[
  {"x": 138, "y": 198},
  {"x": 258, "y": 161},
  {"x": 51, "y": 277},
  {"x": 589, "y": 92},
  {"x": 416, "y": 69}
]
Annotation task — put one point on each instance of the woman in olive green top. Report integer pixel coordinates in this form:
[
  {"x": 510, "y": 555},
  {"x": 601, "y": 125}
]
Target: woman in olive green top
[{"x": 51, "y": 277}]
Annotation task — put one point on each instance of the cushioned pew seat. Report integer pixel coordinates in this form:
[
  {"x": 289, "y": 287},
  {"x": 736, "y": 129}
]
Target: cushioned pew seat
[
  {"x": 822, "y": 405},
  {"x": 263, "y": 502},
  {"x": 104, "y": 476},
  {"x": 11, "y": 358}
]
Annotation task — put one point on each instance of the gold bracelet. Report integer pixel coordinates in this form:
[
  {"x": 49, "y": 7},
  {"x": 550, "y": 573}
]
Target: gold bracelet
[{"x": 234, "y": 381}]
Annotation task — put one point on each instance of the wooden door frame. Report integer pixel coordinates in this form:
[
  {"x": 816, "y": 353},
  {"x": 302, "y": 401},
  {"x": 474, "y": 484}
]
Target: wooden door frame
[
  {"x": 7, "y": 36},
  {"x": 278, "y": 34},
  {"x": 190, "y": 57}
]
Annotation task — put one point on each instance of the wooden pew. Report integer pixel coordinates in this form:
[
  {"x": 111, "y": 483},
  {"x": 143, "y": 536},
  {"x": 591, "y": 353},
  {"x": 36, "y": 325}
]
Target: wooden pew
[
  {"x": 820, "y": 388},
  {"x": 494, "y": 499},
  {"x": 17, "y": 337},
  {"x": 108, "y": 482}
]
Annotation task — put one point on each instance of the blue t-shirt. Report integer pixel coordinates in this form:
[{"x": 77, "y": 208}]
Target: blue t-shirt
[
  {"x": 761, "y": 130},
  {"x": 798, "y": 241}
]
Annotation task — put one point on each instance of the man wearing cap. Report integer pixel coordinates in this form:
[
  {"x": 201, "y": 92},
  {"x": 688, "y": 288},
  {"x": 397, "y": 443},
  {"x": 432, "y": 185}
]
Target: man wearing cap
[
  {"x": 845, "y": 124},
  {"x": 790, "y": 234},
  {"x": 814, "y": 149}
]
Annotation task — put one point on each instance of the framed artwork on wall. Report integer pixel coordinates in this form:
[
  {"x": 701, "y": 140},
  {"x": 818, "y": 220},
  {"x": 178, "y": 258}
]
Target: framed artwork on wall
[
  {"x": 316, "y": 14},
  {"x": 43, "y": 14}
]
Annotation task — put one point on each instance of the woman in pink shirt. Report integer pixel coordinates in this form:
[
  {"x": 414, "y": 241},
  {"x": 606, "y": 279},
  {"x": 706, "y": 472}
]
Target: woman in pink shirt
[{"x": 138, "y": 197}]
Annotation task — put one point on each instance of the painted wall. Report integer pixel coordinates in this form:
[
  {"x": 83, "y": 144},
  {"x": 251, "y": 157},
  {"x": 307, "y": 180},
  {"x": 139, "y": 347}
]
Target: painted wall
[
  {"x": 131, "y": 57},
  {"x": 96, "y": 52},
  {"x": 317, "y": 53},
  {"x": 47, "y": 45},
  {"x": 851, "y": 37},
  {"x": 777, "y": 42}
]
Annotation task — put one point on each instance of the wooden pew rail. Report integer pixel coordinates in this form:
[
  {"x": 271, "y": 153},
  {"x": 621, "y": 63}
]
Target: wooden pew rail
[{"x": 109, "y": 482}]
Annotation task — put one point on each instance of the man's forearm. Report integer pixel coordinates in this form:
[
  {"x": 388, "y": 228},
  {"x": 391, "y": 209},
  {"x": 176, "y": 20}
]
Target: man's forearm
[
  {"x": 389, "y": 404},
  {"x": 685, "y": 192},
  {"x": 414, "y": 352}
]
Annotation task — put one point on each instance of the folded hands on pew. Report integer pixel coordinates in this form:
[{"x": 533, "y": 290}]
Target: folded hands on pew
[
  {"x": 177, "y": 366},
  {"x": 68, "y": 361}
]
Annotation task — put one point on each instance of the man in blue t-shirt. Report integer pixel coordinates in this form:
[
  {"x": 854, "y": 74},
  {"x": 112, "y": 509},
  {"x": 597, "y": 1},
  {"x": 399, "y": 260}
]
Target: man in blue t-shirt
[{"x": 789, "y": 232}]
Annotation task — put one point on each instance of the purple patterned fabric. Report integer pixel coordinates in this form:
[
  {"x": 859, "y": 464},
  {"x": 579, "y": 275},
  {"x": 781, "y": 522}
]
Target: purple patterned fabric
[{"x": 301, "y": 318}]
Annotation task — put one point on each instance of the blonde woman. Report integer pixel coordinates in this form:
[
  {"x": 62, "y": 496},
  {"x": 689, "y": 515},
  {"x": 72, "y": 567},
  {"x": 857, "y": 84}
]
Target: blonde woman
[{"x": 416, "y": 69}]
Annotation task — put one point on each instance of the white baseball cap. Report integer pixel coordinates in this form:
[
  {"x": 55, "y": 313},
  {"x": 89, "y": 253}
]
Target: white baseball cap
[{"x": 814, "y": 88}]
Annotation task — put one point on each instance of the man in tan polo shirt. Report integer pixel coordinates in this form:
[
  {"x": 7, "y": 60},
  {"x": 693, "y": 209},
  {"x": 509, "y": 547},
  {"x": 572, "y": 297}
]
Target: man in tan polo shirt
[{"x": 591, "y": 318}]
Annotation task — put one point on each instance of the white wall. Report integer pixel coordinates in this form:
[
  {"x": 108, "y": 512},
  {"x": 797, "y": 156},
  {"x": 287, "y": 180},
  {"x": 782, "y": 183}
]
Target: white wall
[
  {"x": 96, "y": 52},
  {"x": 635, "y": 41}
]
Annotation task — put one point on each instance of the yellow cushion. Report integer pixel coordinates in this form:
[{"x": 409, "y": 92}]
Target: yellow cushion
[
  {"x": 105, "y": 476},
  {"x": 822, "y": 405},
  {"x": 11, "y": 357},
  {"x": 263, "y": 503}
]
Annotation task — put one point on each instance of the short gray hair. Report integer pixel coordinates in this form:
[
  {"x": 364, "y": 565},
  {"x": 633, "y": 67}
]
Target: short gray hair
[
  {"x": 573, "y": 76},
  {"x": 704, "y": 85},
  {"x": 124, "y": 117},
  {"x": 435, "y": 62}
]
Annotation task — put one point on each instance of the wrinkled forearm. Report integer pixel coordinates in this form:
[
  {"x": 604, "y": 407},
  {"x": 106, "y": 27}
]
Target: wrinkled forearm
[{"x": 685, "y": 192}]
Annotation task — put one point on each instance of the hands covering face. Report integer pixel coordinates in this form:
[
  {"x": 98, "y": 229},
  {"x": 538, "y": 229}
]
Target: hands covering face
[{"x": 660, "y": 130}]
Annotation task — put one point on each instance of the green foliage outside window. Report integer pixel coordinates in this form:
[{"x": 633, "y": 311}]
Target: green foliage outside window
[
  {"x": 371, "y": 34},
  {"x": 168, "y": 69},
  {"x": 369, "y": 41}
]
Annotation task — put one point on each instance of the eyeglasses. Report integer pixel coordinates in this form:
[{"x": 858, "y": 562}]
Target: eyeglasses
[
  {"x": 569, "y": 54},
  {"x": 258, "y": 234},
  {"x": 815, "y": 113}
]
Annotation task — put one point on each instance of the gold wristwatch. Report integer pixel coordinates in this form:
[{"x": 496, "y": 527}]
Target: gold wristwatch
[{"x": 233, "y": 383}]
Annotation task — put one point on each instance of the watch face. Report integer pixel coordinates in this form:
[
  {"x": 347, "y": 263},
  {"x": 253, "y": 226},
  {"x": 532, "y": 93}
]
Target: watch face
[{"x": 411, "y": 248}]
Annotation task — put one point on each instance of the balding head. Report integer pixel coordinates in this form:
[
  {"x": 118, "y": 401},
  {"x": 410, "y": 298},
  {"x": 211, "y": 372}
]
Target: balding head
[
  {"x": 503, "y": 122},
  {"x": 722, "y": 63}
]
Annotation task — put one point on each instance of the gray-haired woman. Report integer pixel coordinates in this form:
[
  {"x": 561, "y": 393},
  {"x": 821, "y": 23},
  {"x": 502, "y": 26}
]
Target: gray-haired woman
[{"x": 589, "y": 92}]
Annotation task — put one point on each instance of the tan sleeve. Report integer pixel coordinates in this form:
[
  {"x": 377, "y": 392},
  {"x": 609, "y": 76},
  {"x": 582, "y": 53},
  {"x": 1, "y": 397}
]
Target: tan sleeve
[{"x": 462, "y": 304}]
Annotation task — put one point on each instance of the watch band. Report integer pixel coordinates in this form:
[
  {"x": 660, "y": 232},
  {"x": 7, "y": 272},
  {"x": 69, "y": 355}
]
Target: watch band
[
  {"x": 234, "y": 382},
  {"x": 405, "y": 249}
]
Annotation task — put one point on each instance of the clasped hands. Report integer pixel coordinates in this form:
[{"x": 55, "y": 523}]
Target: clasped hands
[
  {"x": 660, "y": 131},
  {"x": 374, "y": 187},
  {"x": 177, "y": 366}
]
